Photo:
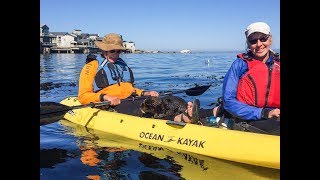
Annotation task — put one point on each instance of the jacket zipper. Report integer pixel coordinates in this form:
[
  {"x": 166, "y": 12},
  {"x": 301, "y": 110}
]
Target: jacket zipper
[
  {"x": 255, "y": 90},
  {"x": 269, "y": 84}
]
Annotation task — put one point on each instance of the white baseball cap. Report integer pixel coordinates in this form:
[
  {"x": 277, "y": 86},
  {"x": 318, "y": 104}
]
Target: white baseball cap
[{"x": 257, "y": 27}]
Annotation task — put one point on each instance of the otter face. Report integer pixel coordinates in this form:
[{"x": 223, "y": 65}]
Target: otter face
[{"x": 151, "y": 105}]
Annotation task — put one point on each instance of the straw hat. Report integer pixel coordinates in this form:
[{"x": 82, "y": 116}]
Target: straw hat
[{"x": 110, "y": 42}]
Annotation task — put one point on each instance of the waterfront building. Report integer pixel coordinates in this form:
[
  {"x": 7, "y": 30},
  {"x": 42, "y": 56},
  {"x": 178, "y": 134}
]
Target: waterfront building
[
  {"x": 74, "y": 42},
  {"x": 130, "y": 46}
]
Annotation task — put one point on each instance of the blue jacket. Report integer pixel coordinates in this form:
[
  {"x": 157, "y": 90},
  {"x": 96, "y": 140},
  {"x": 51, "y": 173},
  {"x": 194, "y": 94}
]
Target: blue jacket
[{"x": 229, "y": 91}]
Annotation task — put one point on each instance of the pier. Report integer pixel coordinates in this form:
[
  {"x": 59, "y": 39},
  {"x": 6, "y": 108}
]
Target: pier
[{"x": 76, "y": 49}]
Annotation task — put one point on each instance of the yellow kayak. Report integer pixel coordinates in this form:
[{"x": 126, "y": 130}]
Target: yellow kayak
[
  {"x": 193, "y": 166},
  {"x": 244, "y": 147}
]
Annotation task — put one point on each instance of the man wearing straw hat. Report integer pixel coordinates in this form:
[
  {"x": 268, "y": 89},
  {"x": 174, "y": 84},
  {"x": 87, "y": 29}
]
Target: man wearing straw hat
[{"x": 109, "y": 79}]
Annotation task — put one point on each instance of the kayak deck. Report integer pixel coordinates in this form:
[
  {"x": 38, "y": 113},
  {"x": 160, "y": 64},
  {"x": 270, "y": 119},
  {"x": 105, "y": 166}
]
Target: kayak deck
[{"x": 244, "y": 147}]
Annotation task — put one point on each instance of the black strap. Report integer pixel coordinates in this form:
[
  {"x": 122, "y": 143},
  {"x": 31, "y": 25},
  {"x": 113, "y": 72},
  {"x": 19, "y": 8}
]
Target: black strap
[
  {"x": 131, "y": 75},
  {"x": 90, "y": 58},
  {"x": 114, "y": 74},
  {"x": 243, "y": 126}
]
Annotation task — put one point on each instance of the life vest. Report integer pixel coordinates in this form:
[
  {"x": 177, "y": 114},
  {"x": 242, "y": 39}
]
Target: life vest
[
  {"x": 112, "y": 73},
  {"x": 260, "y": 85}
]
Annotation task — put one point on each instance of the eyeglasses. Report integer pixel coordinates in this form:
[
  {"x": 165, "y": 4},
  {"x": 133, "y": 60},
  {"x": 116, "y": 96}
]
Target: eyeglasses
[
  {"x": 262, "y": 39},
  {"x": 114, "y": 51}
]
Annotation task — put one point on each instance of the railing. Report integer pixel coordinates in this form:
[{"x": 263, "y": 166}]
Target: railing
[
  {"x": 86, "y": 46},
  {"x": 49, "y": 44}
]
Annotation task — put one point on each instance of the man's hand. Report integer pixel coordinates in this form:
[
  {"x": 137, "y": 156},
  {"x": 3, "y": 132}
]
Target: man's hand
[
  {"x": 151, "y": 93},
  {"x": 113, "y": 100},
  {"x": 274, "y": 113}
]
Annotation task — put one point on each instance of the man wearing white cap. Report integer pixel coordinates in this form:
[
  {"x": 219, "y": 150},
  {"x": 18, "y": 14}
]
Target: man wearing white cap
[{"x": 251, "y": 87}]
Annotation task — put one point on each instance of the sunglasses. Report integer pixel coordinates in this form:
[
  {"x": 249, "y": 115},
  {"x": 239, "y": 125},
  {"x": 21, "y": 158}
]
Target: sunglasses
[
  {"x": 114, "y": 51},
  {"x": 262, "y": 39}
]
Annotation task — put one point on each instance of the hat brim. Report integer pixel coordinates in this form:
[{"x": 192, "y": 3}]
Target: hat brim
[
  {"x": 108, "y": 47},
  {"x": 258, "y": 31}
]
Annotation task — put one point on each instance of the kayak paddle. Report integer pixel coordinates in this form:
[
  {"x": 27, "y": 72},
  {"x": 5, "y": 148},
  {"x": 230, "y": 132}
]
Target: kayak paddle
[
  {"x": 195, "y": 91},
  {"x": 51, "y": 112}
]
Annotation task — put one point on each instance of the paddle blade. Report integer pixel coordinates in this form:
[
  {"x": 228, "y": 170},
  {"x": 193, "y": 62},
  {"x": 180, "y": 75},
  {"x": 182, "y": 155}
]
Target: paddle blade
[
  {"x": 51, "y": 112},
  {"x": 196, "y": 91}
]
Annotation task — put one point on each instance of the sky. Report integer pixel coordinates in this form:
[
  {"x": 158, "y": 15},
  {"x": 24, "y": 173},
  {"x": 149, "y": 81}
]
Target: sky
[{"x": 165, "y": 25}]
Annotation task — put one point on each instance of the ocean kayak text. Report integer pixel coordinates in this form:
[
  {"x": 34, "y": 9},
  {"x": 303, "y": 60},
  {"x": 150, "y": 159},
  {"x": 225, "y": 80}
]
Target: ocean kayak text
[{"x": 180, "y": 140}]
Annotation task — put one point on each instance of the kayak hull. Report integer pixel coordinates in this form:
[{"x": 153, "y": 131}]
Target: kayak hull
[
  {"x": 244, "y": 147},
  {"x": 193, "y": 166}
]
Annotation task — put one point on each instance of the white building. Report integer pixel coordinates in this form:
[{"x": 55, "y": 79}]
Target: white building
[
  {"x": 76, "y": 32},
  {"x": 64, "y": 39},
  {"x": 130, "y": 46},
  {"x": 93, "y": 37}
]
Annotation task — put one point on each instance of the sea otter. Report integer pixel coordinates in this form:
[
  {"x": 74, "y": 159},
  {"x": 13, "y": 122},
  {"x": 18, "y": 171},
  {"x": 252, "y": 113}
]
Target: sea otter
[{"x": 163, "y": 107}]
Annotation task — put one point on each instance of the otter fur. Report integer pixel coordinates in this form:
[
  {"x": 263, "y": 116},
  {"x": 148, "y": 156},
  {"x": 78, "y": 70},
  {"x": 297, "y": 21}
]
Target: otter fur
[{"x": 163, "y": 108}]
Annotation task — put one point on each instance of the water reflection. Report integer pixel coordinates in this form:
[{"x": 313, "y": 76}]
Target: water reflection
[{"x": 50, "y": 157}]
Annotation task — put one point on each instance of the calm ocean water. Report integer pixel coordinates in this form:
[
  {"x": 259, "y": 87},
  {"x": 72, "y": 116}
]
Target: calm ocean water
[{"x": 68, "y": 151}]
